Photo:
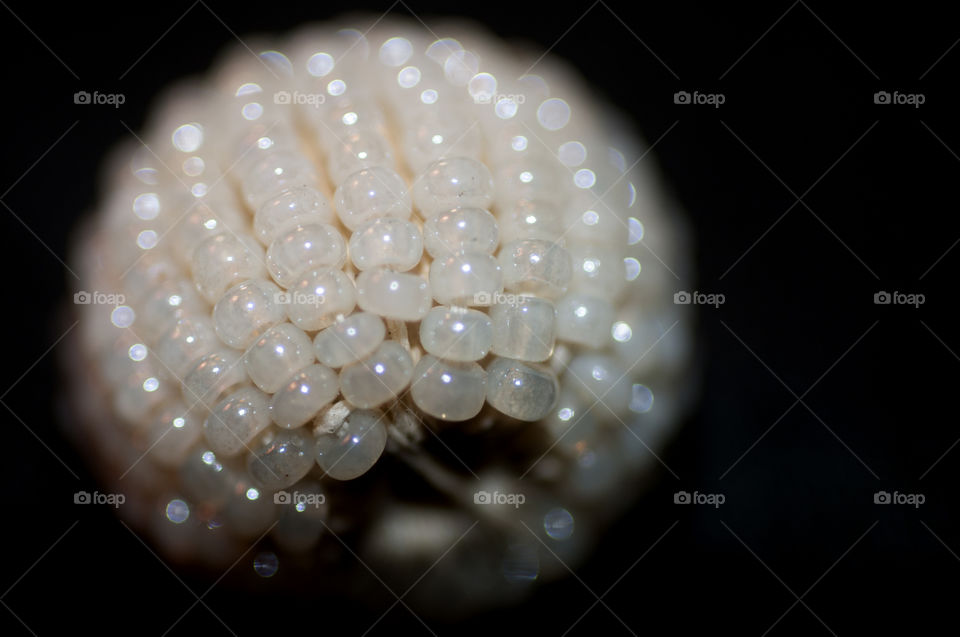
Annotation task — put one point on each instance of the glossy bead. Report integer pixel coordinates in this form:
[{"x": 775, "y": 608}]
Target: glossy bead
[
  {"x": 584, "y": 319},
  {"x": 224, "y": 260},
  {"x": 163, "y": 306},
  {"x": 356, "y": 446},
  {"x": 284, "y": 459},
  {"x": 448, "y": 390},
  {"x": 456, "y": 333},
  {"x": 524, "y": 328},
  {"x": 460, "y": 230},
  {"x": 371, "y": 193},
  {"x": 276, "y": 355},
  {"x": 213, "y": 375},
  {"x": 318, "y": 297},
  {"x": 469, "y": 278},
  {"x": 290, "y": 208},
  {"x": 276, "y": 172},
  {"x": 534, "y": 266},
  {"x": 349, "y": 340},
  {"x": 531, "y": 220},
  {"x": 188, "y": 340},
  {"x": 236, "y": 420},
  {"x": 378, "y": 378},
  {"x": 303, "y": 395},
  {"x": 246, "y": 311},
  {"x": 436, "y": 133},
  {"x": 316, "y": 246},
  {"x": 365, "y": 148},
  {"x": 453, "y": 183},
  {"x": 393, "y": 295},
  {"x": 386, "y": 242},
  {"x": 520, "y": 390},
  {"x": 201, "y": 221}
]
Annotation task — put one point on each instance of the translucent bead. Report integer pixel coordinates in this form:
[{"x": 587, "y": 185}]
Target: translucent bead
[
  {"x": 349, "y": 340},
  {"x": 281, "y": 351},
  {"x": 275, "y": 172},
  {"x": 190, "y": 339},
  {"x": 597, "y": 378},
  {"x": 316, "y": 246},
  {"x": 284, "y": 459},
  {"x": 361, "y": 149},
  {"x": 531, "y": 179},
  {"x": 225, "y": 260},
  {"x": 530, "y": 220},
  {"x": 448, "y": 390},
  {"x": 318, "y": 297},
  {"x": 456, "y": 333},
  {"x": 524, "y": 328},
  {"x": 592, "y": 221},
  {"x": 371, "y": 193},
  {"x": 453, "y": 183},
  {"x": 246, "y": 311},
  {"x": 211, "y": 376},
  {"x": 438, "y": 132},
  {"x": 536, "y": 267},
  {"x": 291, "y": 208},
  {"x": 519, "y": 390},
  {"x": 386, "y": 242},
  {"x": 356, "y": 446},
  {"x": 598, "y": 270},
  {"x": 393, "y": 295},
  {"x": 460, "y": 230},
  {"x": 379, "y": 378},
  {"x": 164, "y": 306},
  {"x": 200, "y": 222},
  {"x": 303, "y": 395},
  {"x": 139, "y": 393},
  {"x": 469, "y": 278},
  {"x": 236, "y": 420},
  {"x": 584, "y": 319},
  {"x": 172, "y": 434}
]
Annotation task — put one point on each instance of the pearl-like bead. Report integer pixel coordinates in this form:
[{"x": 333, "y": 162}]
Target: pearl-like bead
[
  {"x": 356, "y": 446},
  {"x": 246, "y": 311},
  {"x": 236, "y": 420},
  {"x": 275, "y": 172},
  {"x": 371, "y": 193},
  {"x": 213, "y": 375},
  {"x": 361, "y": 149},
  {"x": 283, "y": 460},
  {"x": 386, "y": 242},
  {"x": 183, "y": 345},
  {"x": 468, "y": 278},
  {"x": 520, "y": 390},
  {"x": 224, "y": 260},
  {"x": 453, "y": 183},
  {"x": 393, "y": 295},
  {"x": 350, "y": 339},
  {"x": 290, "y": 208},
  {"x": 436, "y": 133},
  {"x": 378, "y": 378},
  {"x": 456, "y": 333},
  {"x": 530, "y": 220},
  {"x": 584, "y": 319},
  {"x": 534, "y": 266},
  {"x": 524, "y": 328},
  {"x": 598, "y": 270},
  {"x": 318, "y": 297},
  {"x": 315, "y": 246},
  {"x": 303, "y": 395},
  {"x": 448, "y": 390},
  {"x": 460, "y": 230},
  {"x": 281, "y": 351}
]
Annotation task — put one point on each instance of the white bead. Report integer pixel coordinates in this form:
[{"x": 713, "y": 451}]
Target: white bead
[
  {"x": 436, "y": 133},
  {"x": 379, "y": 378},
  {"x": 534, "y": 266},
  {"x": 200, "y": 222},
  {"x": 394, "y": 295},
  {"x": 592, "y": 221},
  {"x": 448, "y": 390},
  {"x": 520, "y": 390},
  {"x": 172, "y": 433},
  {"x": 386, "y": 242},
  {"x": 371, "y": 193},
  {"x": 524, "y": 328},
  {"x": 281, "y": 351},
  {"x": 290, "y": 208},
  {"x": 356, "y": 446},
  {"x": 246, "y": 311},
  {"x": 163, "y": 306},
  {"x": 211, "y": 376},
  {"x": 584, "y": 319},
  {"x": 236, "y": 420},
  {"x": 468, "y": 278},
  {"x": 532, "y": 179},
  {"x": 598, "y": 270},
  {"x": 284, "y": 459},
  {"x": 456, "y": 333},
  {"x": 318, "y": 297},
  {"x": 224, "y": 260},
  {"x": 183, "y": 345},
  {"x": 315, "y": 246},
  {"x": 365, "y": 148},
  {"x": 453, "y": 183},
  {"x": 303, "y": 395},
  {"x": 530, "y": 220},
  {"x": 275, "y": 172},
  {"x": 460, "y": 230},
  {"x": 349, "y": 340},
  {"x": 598, "y": 378}
]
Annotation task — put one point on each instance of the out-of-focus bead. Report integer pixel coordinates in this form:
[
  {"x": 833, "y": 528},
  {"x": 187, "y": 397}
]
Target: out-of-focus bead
[
  {"x": 246, "y": 311},
  {"x": 224, "y": 260},
  {"x": 276, "y": 355},
  {"x": 303, "y": 395},
  {"x": 524, "y": 328},
  {"x": 236, "y": 420},
  {"x": 378, "y": 378},
  {"x": 520, "y": 390},
  {"x": 350, "y": 339},
  {"x": 356, "y": 446}
]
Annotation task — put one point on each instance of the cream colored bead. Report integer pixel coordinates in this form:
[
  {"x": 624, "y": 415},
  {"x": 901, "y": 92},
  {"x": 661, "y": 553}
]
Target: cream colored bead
[
  {"x": 190, "y": 339},
  {"x": 303, "y": 395},
  {"x": 349, "y": 340},
  {"x": 224, "y": 260},
  {"x": 524, "y": 328},
  {"x": 393, "y": 295},
  {"x": 386, "y": 242},
  {"x": 236, "y": 420},
  {"x": 453, "y": 183},
  {"x": 355, "y": 447},
  {"x": 460, "y": 230},
  {"x": 456, "y": 333},
  {"x": 282, "y": 460},
  {"x": 211, "y": 376},
  {"x": 276, "y": 355},
  {"x": 318, "y": 297},
  {"x": 246, "y": 311},
  {"x": 371, "y": 193},
  {"x": 276, "y": 172},
  {"x": 448, "y": 390},
  {"x": 584, "y": 319},
  {"x": 520, "y": 390},
  {"x": 468, "y": 278},
  {"x": 598, "y": 270},
  {"x": 364, "y": 148},
  {"x": 379, "y": 378},
  {"x": 534, "y": 266},
  {"x": 315, "y": 246},
  {"x": 290, "y": 208}
]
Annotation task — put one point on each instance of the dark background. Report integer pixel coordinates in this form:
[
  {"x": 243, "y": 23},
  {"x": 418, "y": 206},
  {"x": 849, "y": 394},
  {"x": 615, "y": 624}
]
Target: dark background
[{"x": 799, "y": 517}]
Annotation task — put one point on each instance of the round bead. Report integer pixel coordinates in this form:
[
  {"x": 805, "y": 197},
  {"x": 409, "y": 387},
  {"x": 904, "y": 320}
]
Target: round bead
[
  {"x": 386, "y": 242},
  {"x": 246, "y": 311},
  {"x": 393, "y": 295},
  {"x": 200, "y": 222},
  {"x": 530, "y": 220},
  {"x": 224, "y": 260},
  {"x": 283, "y": 460},
  {"x": 236, "y": 420},
  {"x": 350, "y": 339},
  {"x": 163, "y": 306},
  {"x": 524, "y": 328},
  {"x": 438, "y": 132},
  {"x": 291, "y": 208},
  {"x": 468, "y": 278},
  {"x": 275, "y": 172},
  {"x": 316, "y": 246},
  {"x": 303, "y": 395},
  {"x": 318, "y": 297},
  {"x": 281, "y": 351},
  {"x": 453, "y": 183},
  {"x": 584, "y": 319},
  {"x": 456, "y": 333},
  {"x": 519, "y": 390},
  {"x": 361, "y": 149},
  {"x": 190, "y": 339},
  {"x": 211, "y": 376},
  {"x": 371, "y": 193},
  {"x": 356, "y": 446},
  {"x": 536, "y": 267},
  {"x": 460, "y": 230},
  {"x": 448, "y": 390},
  {"x": 379, "y": 378}
]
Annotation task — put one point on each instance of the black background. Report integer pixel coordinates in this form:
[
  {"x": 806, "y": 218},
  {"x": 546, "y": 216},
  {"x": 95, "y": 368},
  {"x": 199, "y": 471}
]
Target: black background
[{"x": 799, "y": 517}]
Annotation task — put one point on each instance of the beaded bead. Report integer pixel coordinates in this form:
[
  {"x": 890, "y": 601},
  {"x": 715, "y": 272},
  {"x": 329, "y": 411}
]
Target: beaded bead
[
  {"x": 371, "y": 193},
  {"x": 378, "y": 378},
  {"x": 185, "y": 343},
  {"x": 246, "y": 311},
  {"x": 524, "y": 328},
  {"x": 275, "y": 172},
  {"x": 448, "y": 390},
  {"x": 519, "y": 390},
  {"x": 318, "y": 297},
  {"x": 584, "y": 319},
  {"x": 386, "y": 242},
  {"x": 236, "y": 420},
  {"x": 453, "y": 183},
  {"x": 456, "y": 333},
  {"x": 349, "y": 340},
  {"x": 468, "y": 278},
  {"x": 356, "y": 446},
  {"x": 276, "y": 355},
  {"x": 316, "y": 246},
  {"x": 211, "y": 376},
  {"x": 282, "y": 460},
  {"x": 460, "y": 230},
  {"x": 290, "y": 208},
  {"x": 393, "y": 295},
  {"x": 224, "y": 260},
  {"x": 536, "y": 267},
  {"x": 303, "y": 395}
]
